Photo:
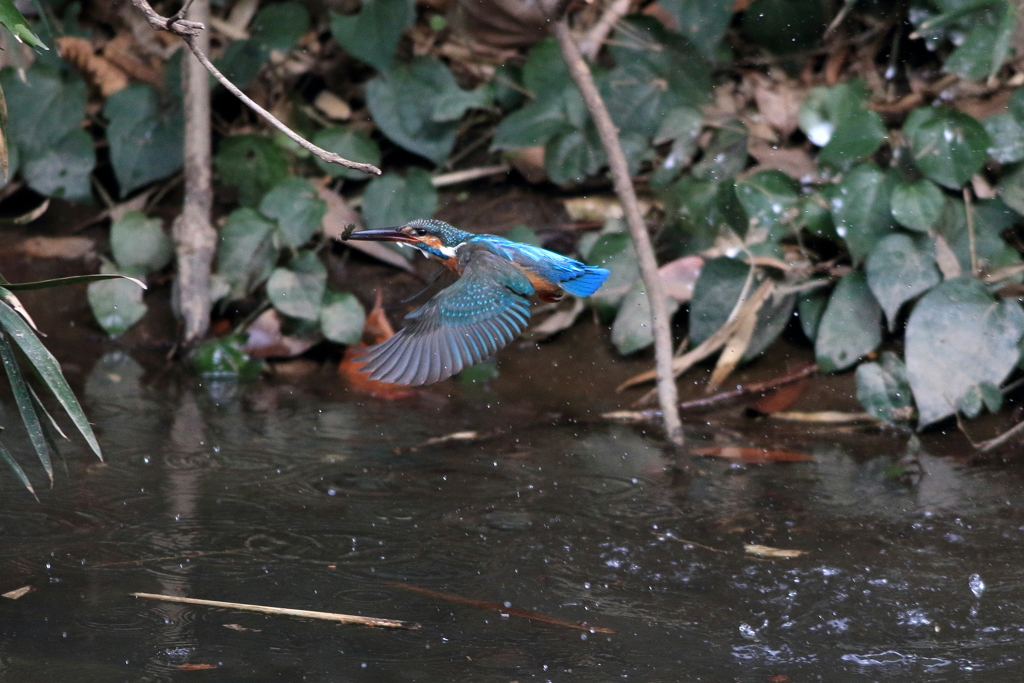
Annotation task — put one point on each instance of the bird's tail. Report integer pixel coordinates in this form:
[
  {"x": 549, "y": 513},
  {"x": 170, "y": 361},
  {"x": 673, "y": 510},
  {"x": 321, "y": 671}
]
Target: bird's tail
[{"x": 587, "y": 282}]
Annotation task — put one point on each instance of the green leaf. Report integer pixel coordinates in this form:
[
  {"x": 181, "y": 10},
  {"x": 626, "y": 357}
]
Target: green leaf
[
  {"x": 23, "y": 399},
  {"x": 681, "y": 126},
  {"x": 837, "y": 120},
  {"x": 252, "y": 163},
  {"x": 949, "y": 146},
  {"x": 49, "y": 371},
  {"x": 991, "y": 396},
  {"x": 372, "y": 35},
  {"x": 534, "y": 124},
  {"x": 225, "y": 358},
  {"x": 573, "y": 155},
  {"x": 342, "y": 318},
  {"x": 16, "y": 468},
  {"x": 810, "y": 309},
  {"x": 62, "y": 170},
  {"x": 700, "y": 210},
  {"x": 351, "y": 144},
  {"x": 523, "y": 234},
  {"x": 991, "y": 218},
  {"x": 987, "y": 43},
  {"x": 279, "y": 26},
  {"x": 246, "y": 254},
  {"x": 900, "y": 268},
  {"x": 851, "y": 326},
  {"x": 917, "y": 205},
  {"x": 452, "y": 104},
  {"x": 726, "y": 155},
  {"x": 883, "y": 389},
  {"x": 1007, "y": 136},
  {"x": 959, "y": 336},
  {"x": 784, "y": 26},
  {"x": 615, "y": 252},
  {"x": 703, "y": 22},
  {"x": 632, "y": 330},
  {"x": 715, "y": 295},
  {"x": 861, "y": 209},
  {"x": 391, "y": 200},
  {"x": 145, "y": 136},
  {"x": 647, "y": 83},
  {"x": 44, "y": 109},
  {"x": 140, "y": 243},
  {"x": 116, "y": 304},
  {"x": 770, "y": 199},
  {"x": 298, "y": 291},
  {"x": 402, "y": 102},
  {"x": 1016, "y": 105},
  {"x": 19, "y": 28},
  {"x": 297, "y": 208}
]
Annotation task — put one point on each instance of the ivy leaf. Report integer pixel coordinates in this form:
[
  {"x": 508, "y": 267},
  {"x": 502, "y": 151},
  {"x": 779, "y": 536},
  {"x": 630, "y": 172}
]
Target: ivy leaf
[
  {"x": 700, "y": 210},
  {"x": 372, "y": 35},
  {"x": 45, "y": 108},
  {"x": 784, "y": 26},
  {"x": 116, "y": 304},
  {"x": 64, "y": 169},
  {"x": 298, "y": 291},
  {"x": 851, "y": 326},
  {"x": 140, "y": 244},
  {"x": 632, "y": 330},
  {"x": 573, "y": 155},
  {"x": 402, "y": 101},
  {"x": 1007, "y": 136},
  {"x": 949, "y": 146},
  {"x": 991, "y": 218},
  {"x": 726, "y": 155},
  {"x": 917, "y": 205},
  {"x": 246, "y": 253},
  {"x": 351, "y": 144},
  {"x": 275, "y": 27},
  {"x": 958, "y": 337},
  {"x": 391, "y": 200},
  {"x": 297, "y": 208},
  {"x": 770, "y": 199},
  {"x": 884, "y": 390},
  {"x": 837, "y": 120},
  {"x": 987, "y": 42},
  {"x": 225, "y": 359},
  {"x": 145, "y": 136},
  {"x": 703, "y": 22},
  {"x": 810, "y": 309},
  {"x": 900, "y": 268},
  {"x": 342, "y": 318},
  {"x": 252, "y": 163},
  {"x": 615, "y": 252},
  {"x": 861, "y": 209}
]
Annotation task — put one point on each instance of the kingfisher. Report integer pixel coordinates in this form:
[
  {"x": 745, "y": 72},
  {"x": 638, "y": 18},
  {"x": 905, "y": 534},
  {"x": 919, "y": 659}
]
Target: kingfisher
[{"x": 482, "y": 311}]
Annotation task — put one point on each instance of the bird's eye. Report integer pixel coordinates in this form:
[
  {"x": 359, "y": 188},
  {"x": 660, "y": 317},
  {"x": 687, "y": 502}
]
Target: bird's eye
[{"x": 419, "y": 232}]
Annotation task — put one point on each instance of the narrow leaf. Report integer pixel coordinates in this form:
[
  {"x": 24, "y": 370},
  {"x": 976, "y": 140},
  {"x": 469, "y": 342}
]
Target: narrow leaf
[
  {"x": 73, "y": 280},
  {"x": 24, "y": 401},
  {"x": 20, "y": 473},
  {"x": 49, "y": 371}
]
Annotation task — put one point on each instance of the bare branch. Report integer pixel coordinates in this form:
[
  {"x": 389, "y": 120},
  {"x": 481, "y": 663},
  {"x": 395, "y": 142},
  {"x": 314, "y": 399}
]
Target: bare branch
[
  {"x": 660, "y": 322},
  {"x": 591, "y": 43},
  {"x": 188, "y": 30}
]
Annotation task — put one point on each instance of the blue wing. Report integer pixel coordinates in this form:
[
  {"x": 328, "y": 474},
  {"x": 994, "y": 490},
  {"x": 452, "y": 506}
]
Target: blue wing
[
  {"x": 460, "y": 326},
  {"x": 569, "y": 274}
]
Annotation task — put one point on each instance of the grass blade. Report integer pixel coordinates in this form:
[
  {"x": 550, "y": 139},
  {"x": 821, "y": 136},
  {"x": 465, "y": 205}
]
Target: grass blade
[
  {"x": 25, "y": 407},
  {"x": 8, "y": 298},
  {"x": 53, "y": 423},
  {"x": 49, "y": 370},
  {"x": 9, "y": 459},
  {"x": 74, "y": 280}
]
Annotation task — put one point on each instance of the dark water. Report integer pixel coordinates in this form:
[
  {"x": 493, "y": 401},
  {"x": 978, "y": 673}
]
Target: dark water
[{"x": 297, "y": 498}]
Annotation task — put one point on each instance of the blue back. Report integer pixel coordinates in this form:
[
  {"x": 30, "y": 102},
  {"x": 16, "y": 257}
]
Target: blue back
[{"x": 569, "y": 274}]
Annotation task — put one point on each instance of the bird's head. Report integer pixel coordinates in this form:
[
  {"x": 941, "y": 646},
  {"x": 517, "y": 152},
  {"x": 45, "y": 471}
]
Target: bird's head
[{"x": 430, "y": 236}]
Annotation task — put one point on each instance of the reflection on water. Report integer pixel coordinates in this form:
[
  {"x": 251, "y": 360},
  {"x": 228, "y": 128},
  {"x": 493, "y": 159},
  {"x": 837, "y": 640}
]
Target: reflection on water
[{"x": 293, "y": 495}]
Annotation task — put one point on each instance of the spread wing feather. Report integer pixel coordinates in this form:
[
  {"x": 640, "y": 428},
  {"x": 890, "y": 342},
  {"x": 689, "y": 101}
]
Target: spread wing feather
[{"x": 460, "y": 326}]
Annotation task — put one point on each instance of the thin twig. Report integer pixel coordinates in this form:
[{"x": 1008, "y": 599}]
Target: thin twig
[
  {"x": 660, "y": 322},
  {"x": 748, "y": 389},
  {"x": 456, "y": 177},
  {"x": 285, "y": 611},
  {"x": 591, "y": 43},
  {"x": 969, "y": 210},
  {"x": 188, "y": 31}
]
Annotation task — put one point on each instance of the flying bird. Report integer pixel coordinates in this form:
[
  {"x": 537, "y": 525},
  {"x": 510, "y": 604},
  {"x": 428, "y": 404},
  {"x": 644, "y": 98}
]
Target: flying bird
[{"x": 482, "y": 311}]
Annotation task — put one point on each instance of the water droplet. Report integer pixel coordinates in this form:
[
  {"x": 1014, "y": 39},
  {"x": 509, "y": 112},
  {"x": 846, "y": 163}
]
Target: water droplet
[{"x": 977, "y": 585}]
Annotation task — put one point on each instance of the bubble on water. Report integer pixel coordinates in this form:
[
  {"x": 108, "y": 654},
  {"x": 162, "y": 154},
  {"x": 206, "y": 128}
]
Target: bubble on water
[
  {"x": 747, "y": 631},
  {"x": 977, "y": 585}
]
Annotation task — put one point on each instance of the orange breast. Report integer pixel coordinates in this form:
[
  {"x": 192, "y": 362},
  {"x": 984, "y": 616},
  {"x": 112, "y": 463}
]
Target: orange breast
[{"x": 546, "y": 290}]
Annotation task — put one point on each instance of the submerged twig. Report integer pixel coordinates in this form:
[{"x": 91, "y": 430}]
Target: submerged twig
[
  {"x": 188, "y": 31},
  {"x": 284, "y": 611},
  {"x": 498, "y": 607},
  {"x": 660, "y": 321}
]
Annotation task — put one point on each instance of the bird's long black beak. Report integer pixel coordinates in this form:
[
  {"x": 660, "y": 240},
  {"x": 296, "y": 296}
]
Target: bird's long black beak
[{"x": 385, "y": 235}]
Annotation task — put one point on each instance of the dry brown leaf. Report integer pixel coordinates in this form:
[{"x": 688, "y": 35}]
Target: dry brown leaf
[
  {"x": 949, "y": 264},
  {"x": 196, "y": 667},
  {"x": 17, "y": 593},
  {"x": 562, "y": 319},
  {"x": 824, "y": 417},
  {"x": 679, "y": 276},
  {"x": 69, "y": 248},
  {"x": 506, "y": 23},
  {"x": 529, "y": 161},
  {"x": 732, "y": 353},
  {"x": 772, "y": 553},
  {"x": 754, "y": 456},
  {"x": 99, "y": 70},
  {"x": 781, "y": 398},
  {"x": 376, "y": 329},
  {"x": 267, "y": 341},
  {"x": 124, "y": 52},
  {"x": 332, "y": 106},
  {"x": 793, "y": 161}
]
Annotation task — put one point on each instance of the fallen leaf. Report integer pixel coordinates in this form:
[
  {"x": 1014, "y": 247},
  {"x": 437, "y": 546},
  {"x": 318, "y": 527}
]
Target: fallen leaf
[
  {"x": 793, "y": 161},
  {"x": 508, "y": 23},
  {"x": 124, "y": 52},
  {"x": 376, "y": 329},
  {"x": 772, "y": 553},
  {"x": 267, "y": 341},
  {"x": 562, "y": 319},
  {"x": 340, "y": 216},
  {"x": 529, "y": 161},
  {"x": 239, "y": 627},
  {"x": 824, "y": 417},
  {"x": 17, "y": 593},
  {"x": 100, "y": 71},
  {"x": 196, "y": 667},
  {"x": 332, "y": 106},
  {"x": 678, "y": 277},
  {"x": 781, "y": 398},
  {"x": 69, "y": 248},
  {"x": 752, "y": 456}
]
